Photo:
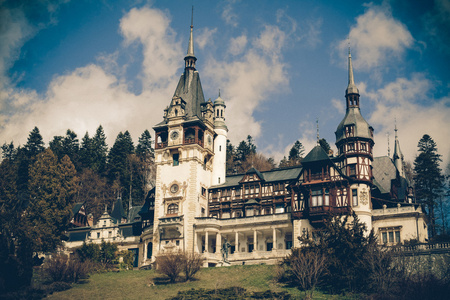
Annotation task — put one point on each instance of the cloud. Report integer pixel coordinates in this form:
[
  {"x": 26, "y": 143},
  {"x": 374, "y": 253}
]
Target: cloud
[
  {"x": 228, "y": 15},
  {"x": 237, "y": 45},
  {"x": 377, "y": 38},
  {"x": 406, "y": 101},
  {"x": 248, "y": 81},
  {"x": 98, "y": 94},
  {"x": 204, "y": 37},
  {"x": 150, "y": 27}
]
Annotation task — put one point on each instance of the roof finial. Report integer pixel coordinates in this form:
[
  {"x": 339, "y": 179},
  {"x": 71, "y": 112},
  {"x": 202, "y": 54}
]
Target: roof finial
[
  {"x": 389, "y": 148},
  {"x": 190, "y": 51},
  {"x": 395, "y": 122},
  {"x": 318, "y": 136}
]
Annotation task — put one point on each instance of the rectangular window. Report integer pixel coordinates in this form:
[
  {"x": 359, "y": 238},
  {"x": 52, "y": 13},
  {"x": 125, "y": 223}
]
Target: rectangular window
[
  {"x": 391, "y": 236},
  {"x": 351, "y": 147},
  {"x": 327, "y": 197},
  {"x": 352, "y": 170},
  {"x": 384, "y": 234},
  {"x": 176, "y": 159},
  {"x": 317, "y": 198},
  {"x": 397, "y": 236},
  {"x": 269, "y": 246},
  {"x": 355, "y": 197},
  {"x": 363, "y": 147},
  {"x": 98, "y": 235}
]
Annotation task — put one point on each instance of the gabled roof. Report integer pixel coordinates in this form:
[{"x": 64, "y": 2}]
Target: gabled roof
[
  {"x": 285, "y": 174},
  {"x": 252, "y": 170},
  {"x": 315, "y": 155},
  {"x": 76, "y": 208}
]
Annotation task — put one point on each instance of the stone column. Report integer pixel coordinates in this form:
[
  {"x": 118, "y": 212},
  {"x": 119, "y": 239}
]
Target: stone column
[
  {"x": 206, "y": 242},
  {"x": 195, "y": 242},
  {"x": 274, "y": 239},
  {"x": 218, "y": 242},
  {"x": 255, "y": 241},
  {"x": 236, "y": 242}
]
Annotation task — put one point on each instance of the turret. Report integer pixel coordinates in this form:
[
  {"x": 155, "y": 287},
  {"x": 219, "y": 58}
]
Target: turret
[{"x": 220, "y": 142}]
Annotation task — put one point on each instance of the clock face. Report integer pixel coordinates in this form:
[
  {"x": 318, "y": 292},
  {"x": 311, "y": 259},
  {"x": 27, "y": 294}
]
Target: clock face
[
  {"x": 174, "y": 188},
  {"x": 174, "y": 135}
]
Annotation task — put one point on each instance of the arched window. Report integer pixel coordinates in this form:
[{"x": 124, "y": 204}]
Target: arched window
[{"x": 172, "y": 209}]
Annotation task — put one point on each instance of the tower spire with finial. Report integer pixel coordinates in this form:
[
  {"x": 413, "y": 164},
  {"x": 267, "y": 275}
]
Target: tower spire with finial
[{"x": 190, "y": 58}]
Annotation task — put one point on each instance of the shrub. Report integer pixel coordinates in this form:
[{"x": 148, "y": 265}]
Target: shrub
[
  {"x": 308, "y": 267},
  {"x": 173, "y": 263},
  {"x": 62, "y": 269},
  {"x": 170, "y": 264},
  {"x": 192, "y": 264}
]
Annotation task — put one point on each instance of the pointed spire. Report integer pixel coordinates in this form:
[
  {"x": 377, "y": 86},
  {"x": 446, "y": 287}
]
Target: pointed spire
[
  {"x": 398, "y": 155},
  {"x": 351, "y": 88},
  {"x": 190, "y": 51}
]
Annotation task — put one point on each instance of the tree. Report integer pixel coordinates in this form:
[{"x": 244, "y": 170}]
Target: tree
[
  {"x": 429, "y": 178},
  {"x": 308, "y": 267},
  {"x": 118, "y": 162},
  {"x": 344, "y": 243},
  {"x": 8, "y": 151},
  {"x": 100, "y": 151},
  {"x": 52, "y": 189},
  {"x": 35, "y": 143},
  {"x": 170, "y": 264},
  {"x": 192, "y": 264},
  {"x": 296, "y": 153},
  {"x": 325, "y": 146}
]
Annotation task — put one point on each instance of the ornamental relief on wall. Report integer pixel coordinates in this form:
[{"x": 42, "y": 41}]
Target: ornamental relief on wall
[{"x": 364, "y": 196}]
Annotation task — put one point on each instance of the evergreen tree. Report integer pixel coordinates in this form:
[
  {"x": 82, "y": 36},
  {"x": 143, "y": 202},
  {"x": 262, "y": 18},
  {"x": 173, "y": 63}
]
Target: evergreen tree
[
  {"x": 429, "y": 179},
  {"x": 100, "y": 149},
  {"x": 144, "y": 147},
  {"x": 325, "y": 146},
  {"x": 35, "y": 143},
  {"x": 56, "y": 145},
  {"x": 8, "y": 151},
  {"x": 87, "y": 154},
  {"x": 52, "y": 188},
  {"x": 296, "y": 153},
  {"x": 71, "y": 146},
  {"x": 118, "y": 162}
]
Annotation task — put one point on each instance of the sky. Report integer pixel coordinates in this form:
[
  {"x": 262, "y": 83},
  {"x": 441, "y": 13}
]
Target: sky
[{"x": 280, "y": 66}]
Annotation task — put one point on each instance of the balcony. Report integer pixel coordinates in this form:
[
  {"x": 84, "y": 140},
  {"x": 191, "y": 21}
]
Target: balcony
[{"x": 172, "y": 220}]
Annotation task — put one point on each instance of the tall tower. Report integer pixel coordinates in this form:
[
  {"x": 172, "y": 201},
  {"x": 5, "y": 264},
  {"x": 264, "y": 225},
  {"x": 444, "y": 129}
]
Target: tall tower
[
  {"x": 354, "y": 140},
  {"x": 220, "y": 142},
  {"x": 184, "y": 154}
]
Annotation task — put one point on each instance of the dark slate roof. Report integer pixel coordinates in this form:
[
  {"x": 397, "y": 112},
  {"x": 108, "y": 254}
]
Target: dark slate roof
[
  {"x": 134, "y": 214},
  {"x": 252, "y": 170},
  {"x": 118, "y": 211},
  {"x": 285, "y": 174},
  {"x": 316, "y": 154},
  {"x": 384, "y": 172},
  {"x": 190, "y": 90},
  {"x": 76, "y": 208},
  {"x": 353, "y": 117}
]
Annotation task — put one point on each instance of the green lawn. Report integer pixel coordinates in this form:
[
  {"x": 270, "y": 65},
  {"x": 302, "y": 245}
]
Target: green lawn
[{"x": 139, "y": 284}]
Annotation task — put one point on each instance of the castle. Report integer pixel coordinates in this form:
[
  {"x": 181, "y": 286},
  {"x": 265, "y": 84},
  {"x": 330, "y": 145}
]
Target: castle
[{"x": 196, "y": 207}]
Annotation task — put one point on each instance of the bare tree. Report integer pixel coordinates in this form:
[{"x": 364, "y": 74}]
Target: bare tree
[
  {"x": 308, "y": 267},
  {"x": 170, "y": 264},
  {"x": 192, "y": 264}
]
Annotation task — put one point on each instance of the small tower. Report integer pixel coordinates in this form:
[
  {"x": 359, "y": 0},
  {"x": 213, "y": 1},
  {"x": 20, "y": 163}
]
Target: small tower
[
  {"x": 354, "y": 140},
  {"x": 220, "y": 142},
  {"x": 398, "y": 156}
]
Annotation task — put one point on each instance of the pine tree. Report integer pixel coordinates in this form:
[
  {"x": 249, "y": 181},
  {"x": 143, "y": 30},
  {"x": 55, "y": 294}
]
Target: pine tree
[
  {"x": 35, "y": 143},
  {"x": 296, "y": 153},
  {"x": 325, "y": 146},
  {"x": 100, "y": 149},
  {"x": 118, "y": 162},
  {"x": 52, "y": 189},
  {"x": 8, "y": 151},
  {"x": 429, "y": 179}
]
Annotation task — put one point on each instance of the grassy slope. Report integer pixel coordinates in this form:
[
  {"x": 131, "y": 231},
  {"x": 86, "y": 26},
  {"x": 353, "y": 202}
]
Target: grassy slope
[{"x": 135, "y": 284}]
